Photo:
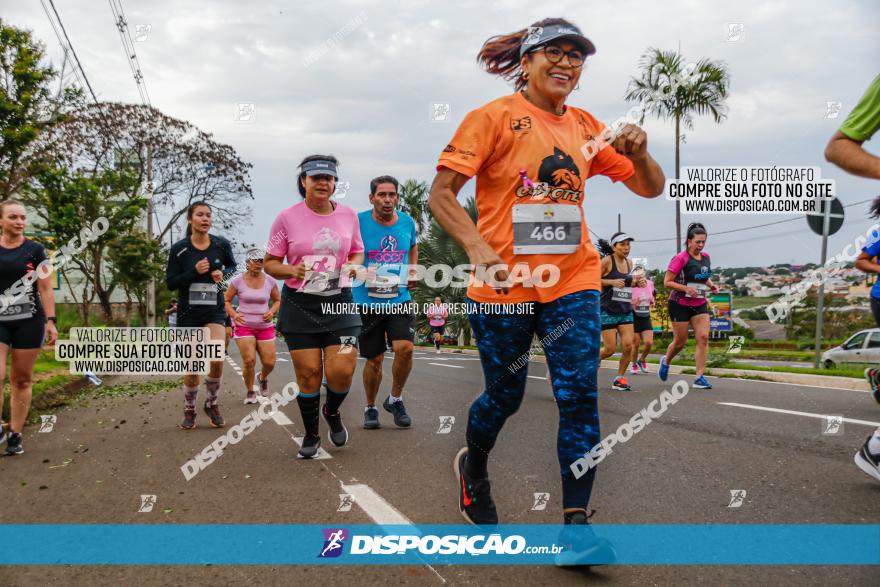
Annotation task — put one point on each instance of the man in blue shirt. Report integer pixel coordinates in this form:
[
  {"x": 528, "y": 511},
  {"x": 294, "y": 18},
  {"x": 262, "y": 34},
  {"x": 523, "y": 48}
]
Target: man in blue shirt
[
  {"x": 386, "y": 307},
  {"x": 846, "y": 151}
]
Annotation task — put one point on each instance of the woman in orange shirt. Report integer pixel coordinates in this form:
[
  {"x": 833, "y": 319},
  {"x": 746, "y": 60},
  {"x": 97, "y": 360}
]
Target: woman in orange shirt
[{"x": 529, "y": 152}]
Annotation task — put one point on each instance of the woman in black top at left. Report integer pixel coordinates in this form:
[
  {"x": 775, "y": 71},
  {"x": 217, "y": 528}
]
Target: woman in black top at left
[
  {"x": 27, "y": 315},
  {"x": 197, "y": 265}
]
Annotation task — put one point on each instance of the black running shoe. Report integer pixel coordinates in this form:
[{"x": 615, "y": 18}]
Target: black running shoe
[
  {"x": 867, "y": 462},
  {"x": 337, "y": 434},
  {"x": 401, "y": 418},
  {"x": 13, "y": 444},
  {"x": 189, "y": 419},
  {"x": 474, "y": 496},
  {"x": 580, "y": 544},
  {"x": 371, "y": 419},
  {"x": 310, "y": 446},
  {"x": 214, "y": 414}
]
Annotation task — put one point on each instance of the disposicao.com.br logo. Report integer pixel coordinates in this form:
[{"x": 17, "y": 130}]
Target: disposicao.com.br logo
[{"x": 401, "y": 544}]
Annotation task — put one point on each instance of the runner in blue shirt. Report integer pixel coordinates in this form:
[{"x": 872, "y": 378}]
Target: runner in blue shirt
[{"x": 386, "y": 308}]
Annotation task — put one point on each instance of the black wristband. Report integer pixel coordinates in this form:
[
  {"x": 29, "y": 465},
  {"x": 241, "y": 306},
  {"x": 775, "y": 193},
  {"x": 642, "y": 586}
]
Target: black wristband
[
  {"x": 628, "y": 281},
  {"x": 52, "y": 318}
]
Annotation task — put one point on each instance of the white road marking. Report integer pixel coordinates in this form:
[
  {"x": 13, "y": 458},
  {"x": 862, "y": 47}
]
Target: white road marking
[
  {"x": 280, "y": 417},
  {"x": 375, "y": 506},
  {"x": 536, "y": 377},
  {"x": 444, "y": 365},
  {"x": 322, "y": 454},
  {"x": 793, "y": 413}
]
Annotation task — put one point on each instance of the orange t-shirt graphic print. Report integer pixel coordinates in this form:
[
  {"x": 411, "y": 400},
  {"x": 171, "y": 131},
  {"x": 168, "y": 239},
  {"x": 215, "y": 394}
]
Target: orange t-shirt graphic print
[{"x": 510, "y": 134}]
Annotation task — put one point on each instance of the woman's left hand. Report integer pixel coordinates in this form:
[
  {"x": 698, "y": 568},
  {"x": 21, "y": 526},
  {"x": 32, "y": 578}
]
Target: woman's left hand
[
  {"x": 632, "y": 142},
  {"x": 51, "y": 333}
]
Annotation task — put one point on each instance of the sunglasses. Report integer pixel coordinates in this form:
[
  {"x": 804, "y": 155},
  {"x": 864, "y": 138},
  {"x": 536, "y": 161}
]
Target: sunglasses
[{"x": 555, "y": 54}]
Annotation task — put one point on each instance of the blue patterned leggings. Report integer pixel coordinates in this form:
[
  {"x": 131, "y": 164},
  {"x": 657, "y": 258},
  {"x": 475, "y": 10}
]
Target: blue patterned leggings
[{"x": 569, "y": 329}]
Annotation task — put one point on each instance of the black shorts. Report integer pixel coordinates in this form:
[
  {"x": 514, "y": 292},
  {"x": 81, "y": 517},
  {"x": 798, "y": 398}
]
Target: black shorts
[
  {"x": 680, "y": 313},
  {"x": 642, "y": 323},
  {"x": 438, "y": 330},
  {"x": 875, "y": 309},
  {"x": 321, "y": 340},
  {"x": 23, "y": 334},
  {"x": 197, "y": 320},
  {"x": 380, "y": 329}
]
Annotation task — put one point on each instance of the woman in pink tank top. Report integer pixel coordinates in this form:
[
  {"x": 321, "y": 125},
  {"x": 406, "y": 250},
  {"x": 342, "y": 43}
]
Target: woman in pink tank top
[{"x": 254, "y": 330}]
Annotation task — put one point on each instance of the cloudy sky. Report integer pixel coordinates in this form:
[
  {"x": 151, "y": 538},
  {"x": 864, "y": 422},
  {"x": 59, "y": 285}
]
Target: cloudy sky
[{"x": 368, "y": 97}]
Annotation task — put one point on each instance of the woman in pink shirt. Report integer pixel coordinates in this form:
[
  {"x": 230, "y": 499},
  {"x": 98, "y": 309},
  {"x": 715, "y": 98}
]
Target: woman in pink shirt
[
  {"x": 437, "y": 314},
  {"x": 643, "y": 329},
  {"x": 252, "y": 322},
  {"x": 314, "y": 246},
  {"x": 689, "y": 276}
]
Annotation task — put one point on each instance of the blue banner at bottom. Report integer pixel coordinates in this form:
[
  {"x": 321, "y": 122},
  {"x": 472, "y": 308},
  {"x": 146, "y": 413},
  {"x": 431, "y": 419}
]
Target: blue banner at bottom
[{"x": 523, "y": 544}]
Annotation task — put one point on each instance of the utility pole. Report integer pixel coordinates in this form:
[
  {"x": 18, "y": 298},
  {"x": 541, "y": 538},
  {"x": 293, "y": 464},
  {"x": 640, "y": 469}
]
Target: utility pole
[
  {"x": 618, "y": 223},
  {"x": 151, "y": 285},
  {"x": 820, "y": 303}
]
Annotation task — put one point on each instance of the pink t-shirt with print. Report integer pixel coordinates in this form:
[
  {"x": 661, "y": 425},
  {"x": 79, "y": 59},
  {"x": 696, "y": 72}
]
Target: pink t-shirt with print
[{"x": 323, "y": 242}]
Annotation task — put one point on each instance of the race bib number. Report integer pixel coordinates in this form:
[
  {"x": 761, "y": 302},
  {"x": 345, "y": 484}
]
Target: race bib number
[
  {"x": 621, "y": 294},
  {"x": 546, "y": 229},
  {"x": 642, "y": 309},
  {"x": 202, "y": 294},
  {"x": 702, "y": 290},
  {"x": 383, "y": 286},
  {"x": 18, "y": 310}
]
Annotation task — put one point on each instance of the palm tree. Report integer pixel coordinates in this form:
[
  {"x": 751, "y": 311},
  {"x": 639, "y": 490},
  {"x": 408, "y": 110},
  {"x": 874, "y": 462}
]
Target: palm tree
[
  {"x": 669, "y": 88},
  {"x": 439, "y": 248},
  {"x": 414, "y": 201}
]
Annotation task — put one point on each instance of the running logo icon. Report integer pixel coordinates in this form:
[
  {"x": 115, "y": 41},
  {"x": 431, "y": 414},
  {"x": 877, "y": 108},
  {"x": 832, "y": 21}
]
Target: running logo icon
[
  {"x": 439, "y": 112},
  {"x": 832, "y": 108},
  {"x": 735, "y": 344},
  {"x": 446, "y": 423},
  {"x": 147, "y": 503},
  {"x": 334, "y": 542},
  {"x": 341, "y": 189},
  {"x": 47, "y": 423},
  {"x": 541, "y": 500},
  {"x": 388, "y": 243},
  {"x": 737, "y": 497},
  {"x": 533, "y": 35},
  {"x": 346, "y": 344},
  {"x": 345, "y": 502},
  {"x": 832, "y": 425}
]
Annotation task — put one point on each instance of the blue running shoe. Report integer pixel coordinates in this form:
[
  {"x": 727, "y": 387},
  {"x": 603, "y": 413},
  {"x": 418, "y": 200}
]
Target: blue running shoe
[
  {"x": 702, "y": 383},
  {"x": 664, "y": 369}
]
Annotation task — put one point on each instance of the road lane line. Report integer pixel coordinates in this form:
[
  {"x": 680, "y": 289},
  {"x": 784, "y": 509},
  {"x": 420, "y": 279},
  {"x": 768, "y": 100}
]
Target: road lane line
[
  {"x": 804, "y": 414},
  {"x": 450, "y": 366},
  {"x": 536, "y": 377},
  {"x": 375, "y": 505},
  {"x": 280, "y": 417}
]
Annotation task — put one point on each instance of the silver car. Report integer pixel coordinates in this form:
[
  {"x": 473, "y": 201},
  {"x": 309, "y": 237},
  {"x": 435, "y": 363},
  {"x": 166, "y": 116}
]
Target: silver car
[{"x": 862, "y": 348}]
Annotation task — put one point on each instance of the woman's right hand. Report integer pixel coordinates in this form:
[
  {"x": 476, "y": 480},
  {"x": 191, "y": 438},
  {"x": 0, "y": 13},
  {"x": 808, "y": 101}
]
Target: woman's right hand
[
  {"x": 691, "y": 292},
  {"x": 203, "y": 266},
  {"x": 238, "y": 319},
  {"x": 618, "y": 283},
  {"x": 298, "y": 271},
  {"x": 484, "y": 255}
]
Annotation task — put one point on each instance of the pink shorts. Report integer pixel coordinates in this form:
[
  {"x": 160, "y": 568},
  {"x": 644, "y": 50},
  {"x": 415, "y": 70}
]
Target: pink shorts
[{"x": 261, "y": 334}]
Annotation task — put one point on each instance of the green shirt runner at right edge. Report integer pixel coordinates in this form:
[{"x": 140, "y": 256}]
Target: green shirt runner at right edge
[{"x": 864, "y": 120}]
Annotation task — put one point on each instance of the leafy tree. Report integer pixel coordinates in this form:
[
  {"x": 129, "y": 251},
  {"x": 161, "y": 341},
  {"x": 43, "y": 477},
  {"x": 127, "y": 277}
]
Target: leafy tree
[
  {"x": 414, "y": 201},
  {"x": 28, "y": 106},
  {"x": 670, "y": 89},
  {"x": 439, "y": 248},
  {"x": 135, "y": 260},
  {"x": 66, "y": 202}
]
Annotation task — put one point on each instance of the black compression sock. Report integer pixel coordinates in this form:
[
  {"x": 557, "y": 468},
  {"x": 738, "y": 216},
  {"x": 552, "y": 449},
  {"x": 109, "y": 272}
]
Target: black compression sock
[{"x": 308, "y": 408}]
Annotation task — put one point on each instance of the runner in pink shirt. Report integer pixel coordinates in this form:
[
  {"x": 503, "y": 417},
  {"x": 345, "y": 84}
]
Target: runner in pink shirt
[
  {"x": 254, "y": 330},
  {"x": 437, "y": 314},
  {"x": 643, "y": 329},
  {"x": 315, "y": 246}
]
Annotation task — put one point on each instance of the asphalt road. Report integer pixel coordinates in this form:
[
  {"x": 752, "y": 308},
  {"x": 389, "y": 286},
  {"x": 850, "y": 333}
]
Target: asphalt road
[{"x": 99, "y": 459}]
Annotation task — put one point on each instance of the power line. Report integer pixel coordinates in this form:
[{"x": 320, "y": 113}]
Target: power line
[
  {"x": 128, "y": 48},
  {"x": 69, "y": 45}
]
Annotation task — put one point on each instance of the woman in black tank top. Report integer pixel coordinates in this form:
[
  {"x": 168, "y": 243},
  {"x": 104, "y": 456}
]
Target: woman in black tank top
[{"x": 616, "y": 302}]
